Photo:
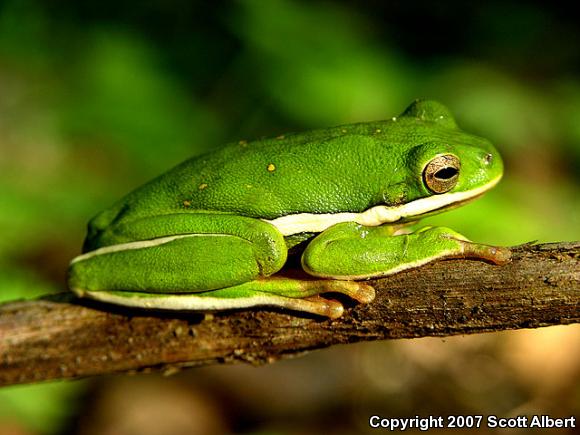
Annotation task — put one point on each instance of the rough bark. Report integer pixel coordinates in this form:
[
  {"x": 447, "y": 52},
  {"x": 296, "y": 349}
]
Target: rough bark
[{"x": 58, "y": 337}]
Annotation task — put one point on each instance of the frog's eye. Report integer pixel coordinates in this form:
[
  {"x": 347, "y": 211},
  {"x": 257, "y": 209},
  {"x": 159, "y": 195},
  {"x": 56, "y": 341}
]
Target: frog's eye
[{"x": 441, "y": 174}]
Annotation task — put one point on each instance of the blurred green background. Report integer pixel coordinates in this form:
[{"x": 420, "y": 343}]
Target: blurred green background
[{"x": 97, "y": 98}]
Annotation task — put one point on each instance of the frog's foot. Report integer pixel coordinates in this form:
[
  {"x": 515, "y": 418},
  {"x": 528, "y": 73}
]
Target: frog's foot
[
  {"x": 361, "y": 292},
  {"x": 314, "y": 305},
  {"x": 494, "y": 254}
]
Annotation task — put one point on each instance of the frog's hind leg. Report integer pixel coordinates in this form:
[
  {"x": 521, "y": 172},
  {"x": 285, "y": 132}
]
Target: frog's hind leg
[
  {"x": 143, "y": 273},
  {"x": 292, "y": 294},
  {"x": 200, "y": 271}
]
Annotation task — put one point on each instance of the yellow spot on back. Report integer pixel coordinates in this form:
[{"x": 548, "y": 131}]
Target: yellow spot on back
[
  {"x": 202, "y": 186},
  {"x": 343, "y": 130},
  {"x": 378, "y": 130},
  {"x": 271, "y": 167}
]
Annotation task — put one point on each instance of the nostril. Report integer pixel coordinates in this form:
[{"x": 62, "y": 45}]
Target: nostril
[{"x": 487, "y": 159}]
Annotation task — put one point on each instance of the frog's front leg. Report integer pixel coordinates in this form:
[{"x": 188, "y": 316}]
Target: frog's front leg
[
  {"x": 352, "y": 251},
  {"x": 199, "y": 262}
]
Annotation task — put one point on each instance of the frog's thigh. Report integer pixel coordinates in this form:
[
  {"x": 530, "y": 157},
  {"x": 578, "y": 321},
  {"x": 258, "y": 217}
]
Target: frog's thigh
[
  {"x": 175, "y": 264},
  {"x": 352, "y": 251}
]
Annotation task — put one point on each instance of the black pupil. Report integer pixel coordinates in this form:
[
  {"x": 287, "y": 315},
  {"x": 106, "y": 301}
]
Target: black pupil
[{"x": 446, "y": 173}]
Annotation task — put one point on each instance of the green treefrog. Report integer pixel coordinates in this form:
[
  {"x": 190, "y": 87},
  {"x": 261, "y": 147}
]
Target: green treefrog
[{"x": 214, "y": 232}]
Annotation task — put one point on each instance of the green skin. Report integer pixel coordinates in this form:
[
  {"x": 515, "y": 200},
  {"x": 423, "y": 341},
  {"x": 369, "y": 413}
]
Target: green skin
[{"x": 215, "y": 232}]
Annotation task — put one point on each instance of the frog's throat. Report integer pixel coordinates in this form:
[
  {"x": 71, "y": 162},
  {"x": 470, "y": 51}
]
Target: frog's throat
[{"x": 378, "y": 215}]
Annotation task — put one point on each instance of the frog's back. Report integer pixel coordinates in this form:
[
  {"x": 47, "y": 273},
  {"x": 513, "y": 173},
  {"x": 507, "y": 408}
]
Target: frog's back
[
  {"x": 322, "y": 171},
  {"x": 342, "y": 169},
  {"x": 306, "y": 172}
]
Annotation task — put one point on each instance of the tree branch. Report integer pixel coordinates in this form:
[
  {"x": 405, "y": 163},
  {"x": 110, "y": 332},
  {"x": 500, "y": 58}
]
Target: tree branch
[{"x": 58, "y": 337}]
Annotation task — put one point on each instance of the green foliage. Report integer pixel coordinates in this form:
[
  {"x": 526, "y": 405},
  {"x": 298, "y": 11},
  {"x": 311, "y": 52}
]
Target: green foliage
[
  {"x": 336, "y": 73},
  {"x": 122, "y": 96}
]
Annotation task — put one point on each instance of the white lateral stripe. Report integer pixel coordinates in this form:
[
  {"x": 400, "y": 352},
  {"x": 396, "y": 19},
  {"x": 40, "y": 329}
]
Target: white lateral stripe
[
  {"x": 140, "y": 244},
  {"x": 185, "y": 302},
  {"x": 378, "y": 215}
]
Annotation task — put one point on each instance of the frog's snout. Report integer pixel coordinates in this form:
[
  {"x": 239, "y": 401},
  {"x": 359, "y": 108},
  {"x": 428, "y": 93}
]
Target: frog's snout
[
  {"x": 490, "y": 162},
  {"x": 490, "y": 159}
]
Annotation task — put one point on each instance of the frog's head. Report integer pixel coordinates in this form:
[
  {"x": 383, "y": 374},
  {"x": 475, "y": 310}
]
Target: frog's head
[{"x": 447, "y": 167}]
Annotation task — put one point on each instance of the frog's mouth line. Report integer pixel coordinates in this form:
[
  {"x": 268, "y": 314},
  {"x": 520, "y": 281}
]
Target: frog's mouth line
[
  {"x": 380, "y": 214},
  {"x": 444, "y": 208}
]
